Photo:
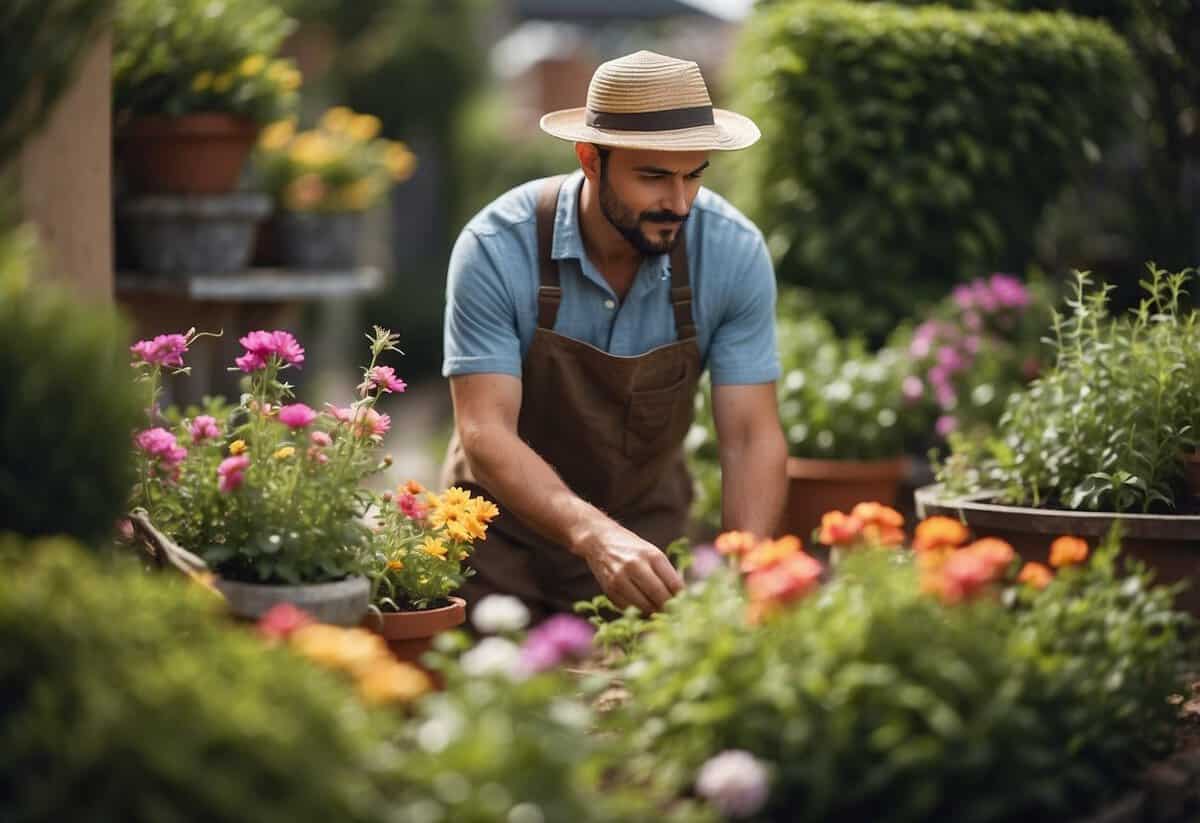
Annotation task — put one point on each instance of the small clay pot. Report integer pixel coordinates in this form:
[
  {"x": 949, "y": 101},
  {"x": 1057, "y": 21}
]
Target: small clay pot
[
  {"x": 410, "y": 634},
  {"x": 189, "y": 154}
]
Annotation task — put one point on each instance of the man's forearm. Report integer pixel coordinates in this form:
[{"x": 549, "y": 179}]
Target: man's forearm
[
  {"x": 528, "y": 486},
  {"x": 754, "y": 483}
]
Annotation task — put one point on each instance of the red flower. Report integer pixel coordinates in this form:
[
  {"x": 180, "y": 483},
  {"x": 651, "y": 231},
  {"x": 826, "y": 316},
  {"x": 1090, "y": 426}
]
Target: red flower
[{"x": 282, "y": 620}]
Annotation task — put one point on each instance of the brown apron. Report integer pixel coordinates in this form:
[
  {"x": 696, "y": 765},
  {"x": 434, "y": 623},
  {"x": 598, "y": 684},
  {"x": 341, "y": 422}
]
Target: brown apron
[{"x": 611, "y": 426}]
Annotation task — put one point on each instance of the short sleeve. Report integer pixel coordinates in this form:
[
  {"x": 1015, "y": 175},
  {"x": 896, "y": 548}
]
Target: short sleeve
[
  {"x": 743, "y": 348},
  {"x": 480, "y": 332}
]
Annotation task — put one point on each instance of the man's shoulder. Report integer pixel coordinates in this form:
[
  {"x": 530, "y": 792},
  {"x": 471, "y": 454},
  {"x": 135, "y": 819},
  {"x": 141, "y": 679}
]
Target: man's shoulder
[
  {"x": 513, "y": 211},
  {"x": 722, "y": 216}
]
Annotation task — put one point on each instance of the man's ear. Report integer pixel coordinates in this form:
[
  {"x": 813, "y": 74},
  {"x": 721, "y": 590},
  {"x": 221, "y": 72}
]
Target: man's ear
[{"x": 589, "y": 160}]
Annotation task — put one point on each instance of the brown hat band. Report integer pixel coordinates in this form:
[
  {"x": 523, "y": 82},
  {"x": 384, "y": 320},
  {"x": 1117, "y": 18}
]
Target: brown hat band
[{"x": 666, "y": 120}]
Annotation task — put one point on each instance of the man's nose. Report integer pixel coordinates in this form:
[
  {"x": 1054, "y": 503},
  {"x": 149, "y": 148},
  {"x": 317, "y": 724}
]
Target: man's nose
[{"x": 676, "y": 202}]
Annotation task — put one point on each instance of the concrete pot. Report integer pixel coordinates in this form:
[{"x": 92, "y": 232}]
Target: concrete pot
[
  {"x": 341, "y": 604},
  {"x": 200, "y": 234},
  {"x": 318, "y": 240}
]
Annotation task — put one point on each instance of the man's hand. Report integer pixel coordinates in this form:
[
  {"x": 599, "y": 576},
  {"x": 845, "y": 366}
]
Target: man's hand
[{"x": 631, "y": 571}]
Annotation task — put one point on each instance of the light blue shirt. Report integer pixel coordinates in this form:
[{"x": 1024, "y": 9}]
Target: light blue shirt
[{"x": 492, "y": 283}]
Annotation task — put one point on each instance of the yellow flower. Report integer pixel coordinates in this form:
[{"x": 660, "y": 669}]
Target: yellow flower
[
  {"x": 337, "y": 118},
  {"x": 305, "y": 192},
  {"x": 353, "y": 650},
  {"x": 277, "y": 135},
  {"x": 311, "y": 149},
  {"x": 458, "y": 529},
  {"x": 476, "y": 529},
  {"x": 223, "y": 82},
  {"x": 252, "y": 65},
  {"x": 357, "y": 196},
  {"x": 363, "y": 127},
  {"x": 284, "y": 452},
  {"x": 291, "y": 79},
  {"x": 455, "y": 496},
  {"x": 400, "y": 161},
  {"x": 484, "y": 510},
  {"x": 444, "y": 513},
  {"x": 237, "y": 447},
  {"x": 202, "y": 81},
  {"x": 434, "y": 547},
  {"x": 395, "y": 565},
  {"x": 390, "y": 681}
]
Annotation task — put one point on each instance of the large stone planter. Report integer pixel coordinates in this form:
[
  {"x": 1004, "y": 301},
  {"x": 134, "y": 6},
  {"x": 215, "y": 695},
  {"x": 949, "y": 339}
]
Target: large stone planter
[
  {"x": 341, "y": 604},
  {"x": 818, "y": 486},
  {"x": 190, "y": 154},
  {"x": 180, "y": 235},
  {"x": 318, "y": 240},
  {"x": 1169, "y": 544}
]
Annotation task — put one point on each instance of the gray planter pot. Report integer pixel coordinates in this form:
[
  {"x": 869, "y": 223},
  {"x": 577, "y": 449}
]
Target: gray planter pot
[
  {"x": 193, "y": 234},
  {"x": 319, "y": 240},
  {"x": 343, "y": 603}
]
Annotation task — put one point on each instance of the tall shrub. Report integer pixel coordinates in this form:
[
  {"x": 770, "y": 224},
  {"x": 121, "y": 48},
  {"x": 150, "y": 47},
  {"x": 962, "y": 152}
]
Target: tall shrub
[{"x": 907, "y": 148}]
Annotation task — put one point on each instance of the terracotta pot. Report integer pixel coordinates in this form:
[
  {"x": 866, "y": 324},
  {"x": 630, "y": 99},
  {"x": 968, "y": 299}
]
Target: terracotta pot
[
  {"x": 191, "y": 154},
  {"x": 342, "y": 603},
  {"x": 1167, "y": 543},
  {"x": 410, "y": 634},
  {"x": 818, "y": 486}
]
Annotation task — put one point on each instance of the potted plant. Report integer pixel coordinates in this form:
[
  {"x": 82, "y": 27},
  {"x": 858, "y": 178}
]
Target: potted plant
[
  {"x": 416, "y": 563},
  {"x": 323, "y": 180},
  {"x": 268, "y": 492},
  {"x": 192, "y": 82},
  {"x": 1101, "y": 437}
]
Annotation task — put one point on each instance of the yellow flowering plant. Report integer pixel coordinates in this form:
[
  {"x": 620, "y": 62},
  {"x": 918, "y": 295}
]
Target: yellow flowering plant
[
  {"x": 420, "y": 543},
  {"x": 342, "y": 164},
  {"x": 200, "y": 56}
]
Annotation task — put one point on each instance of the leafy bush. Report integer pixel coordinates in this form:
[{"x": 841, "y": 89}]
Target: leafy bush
[
  {"x": 905, "y": 149},
  {"x": 178, "y": 57},
  {"x": 124, "y": 697},
  {"x": 867, "y": 698},
  {"x": 68, "y": 405},
  {"x": 1108, "y": 426}
]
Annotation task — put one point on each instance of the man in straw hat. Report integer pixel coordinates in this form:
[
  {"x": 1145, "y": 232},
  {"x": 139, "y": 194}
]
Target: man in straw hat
[{"x": 581, "y": 311}]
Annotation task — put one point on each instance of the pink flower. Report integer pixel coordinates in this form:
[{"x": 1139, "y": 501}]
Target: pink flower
[
  {"x": 296, "y": 416},
  {"x": 735, "y": 782},
  {"x": 320, "y": 438},
  {"x": 920, "y": 347},
  {"x": 411, "y": 506},
  {"x": 950, "y": 359},
  {"x": 262, "y": 345},
  {"x": 249, "y": 362},
  {"x": 367, "y": 422},
  {"x": 204, "y": 428},
  {"x": 231, "y": 472},
  {"x": 163, "y": 350},
  {"x": 964, "y": 575},
  {"x": 1009, "y": 291},
  {"x": 938, "y": 376},
  {"x": 947, "y": 398},
  {"x": 282, "y": 620},
  {"x": 161, "y": 445},
  {"x": 287, "y": 349},
  {"x": 385, "y": 378},
  {"x": 946, "y": 424},
  {"x": 984, "y": 299},
  {"x": 971, "y": 344},
  {"x": 706, "y": 560},
  {"x": 964, "y": 297},
  {"x": 342, "y": 414},
  {"x": 318, "y": 456},
  {"x": 972, "y": 321},
  {"x": 912, "y": 388},
  {"x": 560, "y": 638}
]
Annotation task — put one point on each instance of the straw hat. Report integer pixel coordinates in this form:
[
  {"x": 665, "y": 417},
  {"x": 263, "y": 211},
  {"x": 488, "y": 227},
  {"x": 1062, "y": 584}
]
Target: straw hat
[{"x": 648, "y": 101}]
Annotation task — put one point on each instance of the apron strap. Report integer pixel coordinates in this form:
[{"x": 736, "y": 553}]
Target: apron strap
[
  {"x": 549, "y": 290},
  {"x": 681, "y": 289}
]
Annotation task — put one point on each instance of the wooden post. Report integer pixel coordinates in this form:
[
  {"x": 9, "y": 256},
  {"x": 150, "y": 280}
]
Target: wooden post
[{"x": 66, "y": 179}]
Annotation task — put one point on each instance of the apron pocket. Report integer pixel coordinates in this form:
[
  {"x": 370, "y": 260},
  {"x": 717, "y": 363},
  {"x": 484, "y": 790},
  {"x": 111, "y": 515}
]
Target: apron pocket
[{"x": 649, "y": 418}]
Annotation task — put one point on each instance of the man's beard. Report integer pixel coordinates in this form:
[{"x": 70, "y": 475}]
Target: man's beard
[{"x": 630, "y": 226}]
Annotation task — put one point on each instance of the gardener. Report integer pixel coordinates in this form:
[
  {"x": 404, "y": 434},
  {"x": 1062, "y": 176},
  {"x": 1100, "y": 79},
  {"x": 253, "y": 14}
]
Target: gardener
[{"x": 580, "y": 313}]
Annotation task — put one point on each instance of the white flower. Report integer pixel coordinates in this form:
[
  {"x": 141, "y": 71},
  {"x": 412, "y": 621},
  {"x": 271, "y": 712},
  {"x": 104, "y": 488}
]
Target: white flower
[
  {"x": 493, "y": 655},
  {"x": 499, "y": 613},
  {"x": 735, "y": 782}
]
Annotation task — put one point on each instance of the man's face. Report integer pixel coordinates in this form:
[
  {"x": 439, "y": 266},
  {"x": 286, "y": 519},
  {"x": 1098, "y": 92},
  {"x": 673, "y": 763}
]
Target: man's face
[{"x": 647, "y": 195}]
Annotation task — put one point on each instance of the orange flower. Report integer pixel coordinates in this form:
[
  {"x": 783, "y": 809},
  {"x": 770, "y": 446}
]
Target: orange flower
[
  {"x": 995, "y": 551},
  {"x": 389, "y": 681},
  {"x": 1068, "y": 551},
  {"x": 413, "y": 487},
  {"x": 395, "y": 565},
  {"x": 1035, "y": 575},
  {"x": 769, "y": 552},
  {"x": 781, "y": 583},
  {"x": 840, "y": 529},
  {"x": 736, "y": 542},
  {"x": 939, "y": 533},
  {"x": 964, "y": 575},
  {"x": 878, "y": 514}
]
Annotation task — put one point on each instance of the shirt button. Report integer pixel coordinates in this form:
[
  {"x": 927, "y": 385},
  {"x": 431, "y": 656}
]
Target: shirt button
[{"x": 610, "y": 304}]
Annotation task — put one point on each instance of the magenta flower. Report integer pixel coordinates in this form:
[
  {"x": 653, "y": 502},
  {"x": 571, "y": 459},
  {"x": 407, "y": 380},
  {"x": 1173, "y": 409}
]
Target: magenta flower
[
  {"x": 296, "y": 416},
  {"x": 385, "y": 378},
  {"x": 735, "y": 782},
  {"x": 373, "y": 424},
  {"x": 945, "y": 424},
  {"x": 205, "y": 427},
  {"x": 984, "y": 299},
  {"x": 320, "y": 438},
  {"x": 411, "y": 507},
  {"x": 950, "y": 359},
  {"x": 287, "y": 349},
  {"x": 912, "y": 388},
  {"x": 161, "y": 445},
  {"x": 232, "y": 472},
  {"x": 964, "y": 297},
  {"x": 262, "y": 345},
  {"x": 1009, "y": 291},
  {"x": 938, "y": 376},
  {"x": 972, "y": 321},
  {"x": 946, "y": 397},
  {"x": 342, "y": 414},
  {"x": 163, "y": 350},
  {"x": 560, "y": 638},
  {"x": 972, "y": 344},
  {"x": 282, "y": 620}
]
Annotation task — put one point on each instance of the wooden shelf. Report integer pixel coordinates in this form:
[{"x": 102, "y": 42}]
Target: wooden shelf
[{"x": 252, "y": 285}]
